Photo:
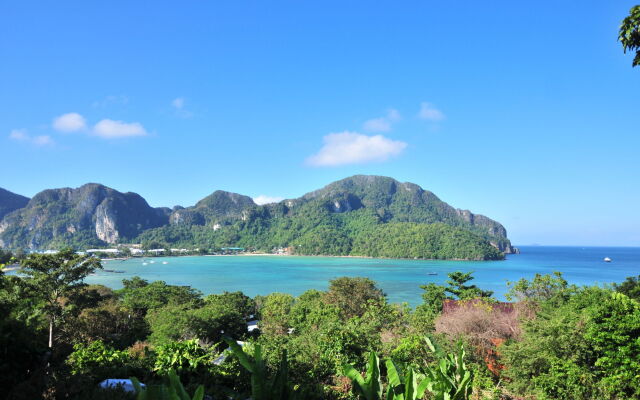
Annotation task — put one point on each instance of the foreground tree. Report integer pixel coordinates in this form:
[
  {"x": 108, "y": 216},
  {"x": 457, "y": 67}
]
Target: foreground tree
[
  {"x": 458, "y": 288},
  {"x": 630, "y": 34},
  {"x": 540, "y": 288},
  {"x": 53, "y": 277},
  {"x": 352, "y": 295}
]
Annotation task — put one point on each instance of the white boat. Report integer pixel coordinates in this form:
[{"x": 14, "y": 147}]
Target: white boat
[
  {"x": 165, "y": 262},
  {"x": 607, "y": 259}
]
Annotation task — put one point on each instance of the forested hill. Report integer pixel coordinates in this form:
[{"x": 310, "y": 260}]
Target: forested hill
[
  {"x": 361, "y": 215},
  {"x": 394, "y": 201}
]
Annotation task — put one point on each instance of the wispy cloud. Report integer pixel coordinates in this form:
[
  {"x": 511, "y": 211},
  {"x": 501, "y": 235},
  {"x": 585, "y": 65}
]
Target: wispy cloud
[
  {"x": 382, "y": 124},
  {"x": 377, "y": 125},
  {"x": 42, "y": 140},
  {"x": 355, "y": 148},
  {"x": 21, "y": 135},
  {"x": 70, "y": 122},
  {"x": 430, "y": 113},
  {"x": 264, "y": 199},
  {"x": 111, "y": 100},
  {"x": 178, "y": 104},
  {"x": 110, "y": 129}
]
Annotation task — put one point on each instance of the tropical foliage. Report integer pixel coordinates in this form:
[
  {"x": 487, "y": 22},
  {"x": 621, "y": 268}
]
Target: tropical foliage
[
  {"x": 556, "y": 341},
  {"x": 630, "y": 34},
  {"x": 449, "y": 379}
]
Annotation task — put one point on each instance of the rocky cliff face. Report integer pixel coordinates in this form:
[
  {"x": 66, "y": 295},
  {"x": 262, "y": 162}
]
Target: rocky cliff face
[
  {"x": 92, "y": 214},
  {"x": 106, "y": 225}
]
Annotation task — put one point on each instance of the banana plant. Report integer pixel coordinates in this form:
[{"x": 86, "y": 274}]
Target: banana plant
[
  {"x": 405, "y": 386},
  {"x": 369, "y": 388},
  {"x": 172, "y": 389},
  {"x": 451, "y": 379},
  {"x": 263, "y": 388}
]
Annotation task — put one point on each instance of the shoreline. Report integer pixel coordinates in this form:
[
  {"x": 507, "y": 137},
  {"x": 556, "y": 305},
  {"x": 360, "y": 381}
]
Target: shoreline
[{"x": 298, "y": 255}]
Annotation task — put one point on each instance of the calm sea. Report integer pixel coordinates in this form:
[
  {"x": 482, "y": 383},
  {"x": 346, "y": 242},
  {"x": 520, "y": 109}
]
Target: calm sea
[{"x": 400, "y": 279}]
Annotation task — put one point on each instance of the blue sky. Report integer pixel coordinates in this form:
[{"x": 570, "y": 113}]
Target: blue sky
[{"x": 525, "y": 112}]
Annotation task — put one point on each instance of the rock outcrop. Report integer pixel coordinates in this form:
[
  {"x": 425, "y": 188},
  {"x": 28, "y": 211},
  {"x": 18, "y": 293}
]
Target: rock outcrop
[{"x": 92, "y": 214}]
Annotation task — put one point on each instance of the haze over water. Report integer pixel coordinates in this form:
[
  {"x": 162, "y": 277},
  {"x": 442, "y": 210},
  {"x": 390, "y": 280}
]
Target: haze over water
[{"x": 400, "y": 279}]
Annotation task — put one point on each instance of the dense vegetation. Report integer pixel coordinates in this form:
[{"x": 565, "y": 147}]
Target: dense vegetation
[
  {"x": 358, "y": 233},
  {"x": 555, "y": 341},
  {"x": 433, "y": 241},
  {"x": 340, "y": 219}
]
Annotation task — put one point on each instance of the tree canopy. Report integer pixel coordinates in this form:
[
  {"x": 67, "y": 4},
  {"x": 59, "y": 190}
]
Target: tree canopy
[
  {"x": 55, "y": 276},
  {"x": 630, "y": 34}
]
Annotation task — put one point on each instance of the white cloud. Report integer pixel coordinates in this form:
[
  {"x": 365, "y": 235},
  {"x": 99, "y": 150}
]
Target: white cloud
[
  {"x": 110, "y": 129},
  {"x": 70, "y": 122},
  {"x": 264, "y": 199},
  {"x": 382, "y": 124},
  {"x": 21, "y": 135},
  {"x": 355, "y": 148},
  {"x": 178, "y": 103},
  {"x": 430, "y": 113}
]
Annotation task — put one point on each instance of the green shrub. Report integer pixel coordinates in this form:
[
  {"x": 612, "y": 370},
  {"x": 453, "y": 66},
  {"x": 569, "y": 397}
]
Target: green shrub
[
  {"x": 588, "y": 347},
  {"x": 187, "y": 356},
  {"x": 97, "y": 359}
]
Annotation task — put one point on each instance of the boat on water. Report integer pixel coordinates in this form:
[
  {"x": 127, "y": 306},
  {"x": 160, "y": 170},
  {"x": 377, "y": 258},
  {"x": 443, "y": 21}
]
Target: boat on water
[
  {"x": 432, "y": 273},
  {"x": 607, "y": 259},
  {"x": 165, "y": 262}
]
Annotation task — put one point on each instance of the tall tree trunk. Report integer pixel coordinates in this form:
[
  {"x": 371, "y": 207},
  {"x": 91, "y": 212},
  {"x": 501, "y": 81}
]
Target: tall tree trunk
[{"x": 51, "y": 333}]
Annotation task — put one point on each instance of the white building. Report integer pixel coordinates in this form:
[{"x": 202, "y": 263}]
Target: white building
[{"x": 108, "y": 251}]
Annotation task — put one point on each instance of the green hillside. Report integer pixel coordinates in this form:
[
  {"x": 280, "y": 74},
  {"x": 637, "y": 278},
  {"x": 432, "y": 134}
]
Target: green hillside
[
  {"x": 343, "y": 218},
  {"x": 361, "y": 215}
]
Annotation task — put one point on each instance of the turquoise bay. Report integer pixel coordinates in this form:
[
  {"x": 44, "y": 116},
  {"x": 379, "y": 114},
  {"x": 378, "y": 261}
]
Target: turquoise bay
[{"x": 400, "y": 279}]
